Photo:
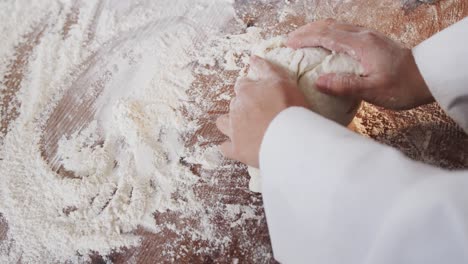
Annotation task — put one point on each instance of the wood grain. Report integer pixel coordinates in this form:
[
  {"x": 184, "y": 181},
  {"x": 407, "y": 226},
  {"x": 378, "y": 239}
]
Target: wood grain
[{"x": 425, "y": 134}]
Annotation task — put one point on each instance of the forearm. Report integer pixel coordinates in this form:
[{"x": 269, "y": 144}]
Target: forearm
[
  {"x": 332, "y": 196},
  {"x": 330, "y": 189},
  {"x": 443, "y": 63}
]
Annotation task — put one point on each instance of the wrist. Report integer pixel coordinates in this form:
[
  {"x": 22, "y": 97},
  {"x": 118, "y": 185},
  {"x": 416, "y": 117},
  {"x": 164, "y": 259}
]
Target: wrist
[{"x": 420, "y": 90}]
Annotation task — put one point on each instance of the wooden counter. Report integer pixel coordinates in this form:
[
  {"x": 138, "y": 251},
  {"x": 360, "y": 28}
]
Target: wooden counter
[{"x": 425, "y": 134}]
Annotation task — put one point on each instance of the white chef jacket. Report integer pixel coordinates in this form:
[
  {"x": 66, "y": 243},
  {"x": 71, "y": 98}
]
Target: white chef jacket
[{"x": 332, "y": 196}]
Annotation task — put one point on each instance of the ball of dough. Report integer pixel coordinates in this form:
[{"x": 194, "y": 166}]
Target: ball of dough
[{"x": 305, "y": 66}]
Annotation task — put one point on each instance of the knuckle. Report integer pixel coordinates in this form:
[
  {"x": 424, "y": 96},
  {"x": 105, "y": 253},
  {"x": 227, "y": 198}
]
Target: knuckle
[
  {"x": 232, "y": 104},
  {"x": 241, "y": 86},
  {"x": 326, "y": 22},
  {"x": 310, "y": 25},
  {"x": 318, "y": 27},
  {"x": 326, "y": 36},
  {"x": 242, "y": 80},
  {"x": 235, "y": 150},
  {"x": 344, "y": 83},
  {"x": 220, "y": 121},
  {"x": 285, "y": 82},
  {"x": 280, "y": 83},
  {"x": 386, "y": 78},
  {"x": 371, "y": 36},
  {"x": 329, "y": 21},
  {"x": 263, "y": 67},
  {"x": 232, "y": 151},
  {"x": 323, "y": 32},
  {"x": 228, "y": 151},
  {"x": 266, "y": 66}
]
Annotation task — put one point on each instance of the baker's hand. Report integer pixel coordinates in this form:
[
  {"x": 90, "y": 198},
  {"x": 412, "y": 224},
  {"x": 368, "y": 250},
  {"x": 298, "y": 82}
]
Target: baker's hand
[
  {"x": 256, "y": 103},
  {"x": 391, "y": 77}
]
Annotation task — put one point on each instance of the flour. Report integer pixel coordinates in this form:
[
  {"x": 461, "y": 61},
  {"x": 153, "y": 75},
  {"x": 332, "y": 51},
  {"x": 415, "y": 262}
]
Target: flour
[{"x": 106, "y": 84}]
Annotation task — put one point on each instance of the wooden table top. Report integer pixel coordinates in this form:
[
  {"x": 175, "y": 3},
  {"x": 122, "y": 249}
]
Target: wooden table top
[{"x": 437, "y": 140}]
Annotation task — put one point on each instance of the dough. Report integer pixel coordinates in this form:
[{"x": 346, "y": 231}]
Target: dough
[{"x": 306, "y": 65}]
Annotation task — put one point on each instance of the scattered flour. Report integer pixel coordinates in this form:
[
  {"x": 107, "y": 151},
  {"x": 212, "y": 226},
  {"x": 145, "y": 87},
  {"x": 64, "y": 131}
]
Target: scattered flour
[{"x": 105, "y": 83}]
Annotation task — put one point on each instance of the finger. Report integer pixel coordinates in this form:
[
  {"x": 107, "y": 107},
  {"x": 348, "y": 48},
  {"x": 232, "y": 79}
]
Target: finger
[
  {"x": 322, "y": 22},
  {"x": 223, "y": 123},
  {"x": 260, "y": 66},
  {"x": 342, "y": 84},
  {"x": 232, "y": 103},
  {"x": 321, "y": 25},
  {"x": 227, "y": 149},
  {"x": 347, "y": 27},
  {"x": 328, "y": 21},
  {"x": 264, "y": 69},
  {"x": 306, "y": 29},
  {"x": 242, "y": 84},
  {"x": 328, "y": 38},
  {"x": 318, "y": 27}
]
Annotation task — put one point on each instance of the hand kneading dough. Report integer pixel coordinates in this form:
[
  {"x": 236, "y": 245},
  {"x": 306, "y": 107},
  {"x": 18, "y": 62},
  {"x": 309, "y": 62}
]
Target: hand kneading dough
[{"x": 306, "y": 65}]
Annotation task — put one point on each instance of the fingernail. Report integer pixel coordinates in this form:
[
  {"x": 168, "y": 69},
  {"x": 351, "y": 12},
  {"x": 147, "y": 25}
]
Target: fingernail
[
  {"x": 322, "y": 83},
  {"x": 292, "y": 43}
]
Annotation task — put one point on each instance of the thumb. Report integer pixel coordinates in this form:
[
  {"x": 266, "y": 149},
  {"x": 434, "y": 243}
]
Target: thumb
[
  {"x": 227, "y": 149},
  {"x": 341, "y": 84},
  {"x": 263, "y": 68}
]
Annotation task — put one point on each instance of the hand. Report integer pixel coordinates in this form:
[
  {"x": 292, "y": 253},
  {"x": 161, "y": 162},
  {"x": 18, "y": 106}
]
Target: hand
[
  {"x": 391, "y": 77},
  {"x": 254, "y": 107}
]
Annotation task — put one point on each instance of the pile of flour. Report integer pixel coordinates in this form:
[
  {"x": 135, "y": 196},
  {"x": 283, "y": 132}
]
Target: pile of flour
[{"x": 126, "y": 67}]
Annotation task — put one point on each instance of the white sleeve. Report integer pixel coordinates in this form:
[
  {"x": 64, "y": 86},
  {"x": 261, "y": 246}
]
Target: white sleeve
[
  {"x": 332, "y": 196},
  {"x": 443, "y": 63}
]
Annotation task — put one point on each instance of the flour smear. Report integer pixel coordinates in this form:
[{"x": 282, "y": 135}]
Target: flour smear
[{"x": 92, "y": 99}]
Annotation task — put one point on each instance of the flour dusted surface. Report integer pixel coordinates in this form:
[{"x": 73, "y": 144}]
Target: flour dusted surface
[
  {"x": 95, "y": 144},
  {"x": 54, "y": 42}
]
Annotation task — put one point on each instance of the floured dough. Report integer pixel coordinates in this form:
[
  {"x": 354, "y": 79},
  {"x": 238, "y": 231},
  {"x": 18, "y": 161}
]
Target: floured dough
[{"x": 306, "y": 65}]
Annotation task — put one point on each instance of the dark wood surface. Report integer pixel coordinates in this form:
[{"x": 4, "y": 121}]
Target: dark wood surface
[{"x": 425, "y": 134}]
